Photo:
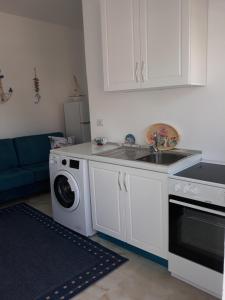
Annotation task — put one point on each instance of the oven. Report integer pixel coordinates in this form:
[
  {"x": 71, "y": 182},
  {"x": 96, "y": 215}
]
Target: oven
[
  {"x": 196, "y": 231},
  {"x": 197, "y": 226}
]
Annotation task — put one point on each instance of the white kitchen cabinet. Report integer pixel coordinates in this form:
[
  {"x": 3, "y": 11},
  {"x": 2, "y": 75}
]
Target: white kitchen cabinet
[
  {"x": 120, "y": 23},
  {"x": 154, "y": 43},
  {"x": 107, "y": 207},
  {"x": 132, "y": 205},
  {"x": 147, "y": 210}
]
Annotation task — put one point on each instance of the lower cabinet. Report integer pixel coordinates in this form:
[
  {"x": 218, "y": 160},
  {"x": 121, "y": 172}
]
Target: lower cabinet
[
  {"x": 107, "y": 207},
  {"x": 131, "y": 205}
]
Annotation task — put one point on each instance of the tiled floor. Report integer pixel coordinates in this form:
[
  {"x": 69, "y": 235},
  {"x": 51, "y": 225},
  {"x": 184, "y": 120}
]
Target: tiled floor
[{"x": 138, "y": 279}]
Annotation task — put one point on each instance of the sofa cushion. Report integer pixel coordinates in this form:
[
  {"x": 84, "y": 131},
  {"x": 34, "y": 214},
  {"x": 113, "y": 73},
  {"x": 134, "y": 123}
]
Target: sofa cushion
[
  {"x": 33, "y": 149},
  {"x": 8, "y": 157},
  {"x": 40, "y": 171},
  {"x": 14, "y": 178}
]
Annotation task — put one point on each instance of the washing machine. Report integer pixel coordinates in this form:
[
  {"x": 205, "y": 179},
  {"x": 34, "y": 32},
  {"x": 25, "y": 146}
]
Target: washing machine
[{"x": 70, "y": 193}]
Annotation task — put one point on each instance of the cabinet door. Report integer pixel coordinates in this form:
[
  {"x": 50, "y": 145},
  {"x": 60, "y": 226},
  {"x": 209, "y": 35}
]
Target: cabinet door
[
  {"x": 107, "y": 209},
  {"x": 121, "y": 44},
  {"x": 147, "y": 211},
  {"x": 163, "y": 53}
]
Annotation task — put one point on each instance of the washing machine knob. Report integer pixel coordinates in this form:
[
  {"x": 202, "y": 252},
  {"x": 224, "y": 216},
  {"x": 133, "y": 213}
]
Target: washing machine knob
[{"x": 64, "y": 162}]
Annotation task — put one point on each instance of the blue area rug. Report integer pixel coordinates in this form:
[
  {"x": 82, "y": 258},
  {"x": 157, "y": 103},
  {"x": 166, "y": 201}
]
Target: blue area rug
[{"x": 42, "y": 260}]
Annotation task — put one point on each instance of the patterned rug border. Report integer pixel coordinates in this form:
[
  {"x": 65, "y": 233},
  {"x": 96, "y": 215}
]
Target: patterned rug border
[{"x": 109, "y": 260}]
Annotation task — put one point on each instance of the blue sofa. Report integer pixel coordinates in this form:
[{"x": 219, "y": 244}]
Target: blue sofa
[{"x": 24, "y": 168}]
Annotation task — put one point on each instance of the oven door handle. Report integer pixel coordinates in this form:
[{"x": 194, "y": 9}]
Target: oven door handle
[{"x": 211, "y": 211}]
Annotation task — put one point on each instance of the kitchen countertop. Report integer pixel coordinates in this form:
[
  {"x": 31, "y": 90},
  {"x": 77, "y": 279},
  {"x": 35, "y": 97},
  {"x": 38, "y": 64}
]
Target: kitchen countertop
[{"x": 90, "y": 151}]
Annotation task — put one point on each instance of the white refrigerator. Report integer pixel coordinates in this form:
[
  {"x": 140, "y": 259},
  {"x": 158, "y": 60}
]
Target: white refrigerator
[{"x": 77, "y": 119}]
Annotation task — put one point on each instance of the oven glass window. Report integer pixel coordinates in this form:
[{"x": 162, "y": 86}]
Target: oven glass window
[{"x": 197, "y": 236}]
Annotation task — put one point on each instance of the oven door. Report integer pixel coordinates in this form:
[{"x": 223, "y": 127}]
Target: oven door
[{"x": 196, "y": 232}]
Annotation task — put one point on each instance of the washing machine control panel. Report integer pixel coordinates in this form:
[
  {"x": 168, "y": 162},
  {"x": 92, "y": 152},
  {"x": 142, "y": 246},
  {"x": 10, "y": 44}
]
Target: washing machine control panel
[
  {"x": 74, "y": 164},
  {"x": 64, "y": 161}
]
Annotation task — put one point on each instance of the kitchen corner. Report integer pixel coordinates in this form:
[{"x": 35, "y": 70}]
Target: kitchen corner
[
  {"x": 155, "y": 62},
  {"x": 127, "y": 193}
]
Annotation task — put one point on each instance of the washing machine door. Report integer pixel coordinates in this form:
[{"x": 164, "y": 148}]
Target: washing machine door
[{"x": 66, "y": 190}]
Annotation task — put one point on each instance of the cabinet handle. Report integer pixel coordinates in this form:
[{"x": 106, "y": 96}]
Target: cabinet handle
[
  {"x": 142, "y": 71},
  {"x": 119, "y": 182},
  {"x": 136, "y": 71},
  {"x": 124, "y": 182}
]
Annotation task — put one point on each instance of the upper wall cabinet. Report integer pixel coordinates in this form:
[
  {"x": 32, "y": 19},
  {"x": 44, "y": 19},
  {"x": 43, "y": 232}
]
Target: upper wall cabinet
[{"x": 154, "y": 43}]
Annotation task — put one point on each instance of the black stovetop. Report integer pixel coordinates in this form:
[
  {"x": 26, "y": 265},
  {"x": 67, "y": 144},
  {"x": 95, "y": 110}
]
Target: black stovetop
[{"x": 206, "y": 172}]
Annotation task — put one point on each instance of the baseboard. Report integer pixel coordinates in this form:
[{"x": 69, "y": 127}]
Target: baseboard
[{"x": 159, "y": 260}]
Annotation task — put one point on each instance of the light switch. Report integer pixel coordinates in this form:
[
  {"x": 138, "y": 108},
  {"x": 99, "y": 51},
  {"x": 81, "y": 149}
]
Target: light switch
[{"x": 100, "y": 122}]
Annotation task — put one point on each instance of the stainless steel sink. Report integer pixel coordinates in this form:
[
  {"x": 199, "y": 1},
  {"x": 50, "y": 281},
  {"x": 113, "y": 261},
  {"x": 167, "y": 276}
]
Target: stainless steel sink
[
  {"x": 144, "y": 155},
  {"x": 163, "y": 158},
  {"x": 127, "y": 153}
]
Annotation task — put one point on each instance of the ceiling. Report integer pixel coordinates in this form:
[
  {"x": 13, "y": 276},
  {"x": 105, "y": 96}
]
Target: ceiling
[{"x": 62, "y": 12}]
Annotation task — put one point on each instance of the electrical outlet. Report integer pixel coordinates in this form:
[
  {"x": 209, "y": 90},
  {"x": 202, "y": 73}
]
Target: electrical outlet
[{"x": 99, "y": 122}]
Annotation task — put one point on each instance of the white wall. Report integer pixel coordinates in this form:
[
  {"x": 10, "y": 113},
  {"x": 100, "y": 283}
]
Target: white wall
[
  {"x": 57, "y": 53},
  {"x": 198, "y": 113}
]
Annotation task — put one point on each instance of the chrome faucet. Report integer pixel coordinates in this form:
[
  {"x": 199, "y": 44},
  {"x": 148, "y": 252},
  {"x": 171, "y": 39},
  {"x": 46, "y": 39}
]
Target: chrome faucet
[{"x": 154, "y": 146}]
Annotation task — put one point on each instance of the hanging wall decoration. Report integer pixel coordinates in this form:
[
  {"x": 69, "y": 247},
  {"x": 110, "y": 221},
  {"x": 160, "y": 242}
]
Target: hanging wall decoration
[
  {"x": 37, "y": 96},
  {"x": 77, "y": 89},
  {"x": 4, "y": 97}
]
